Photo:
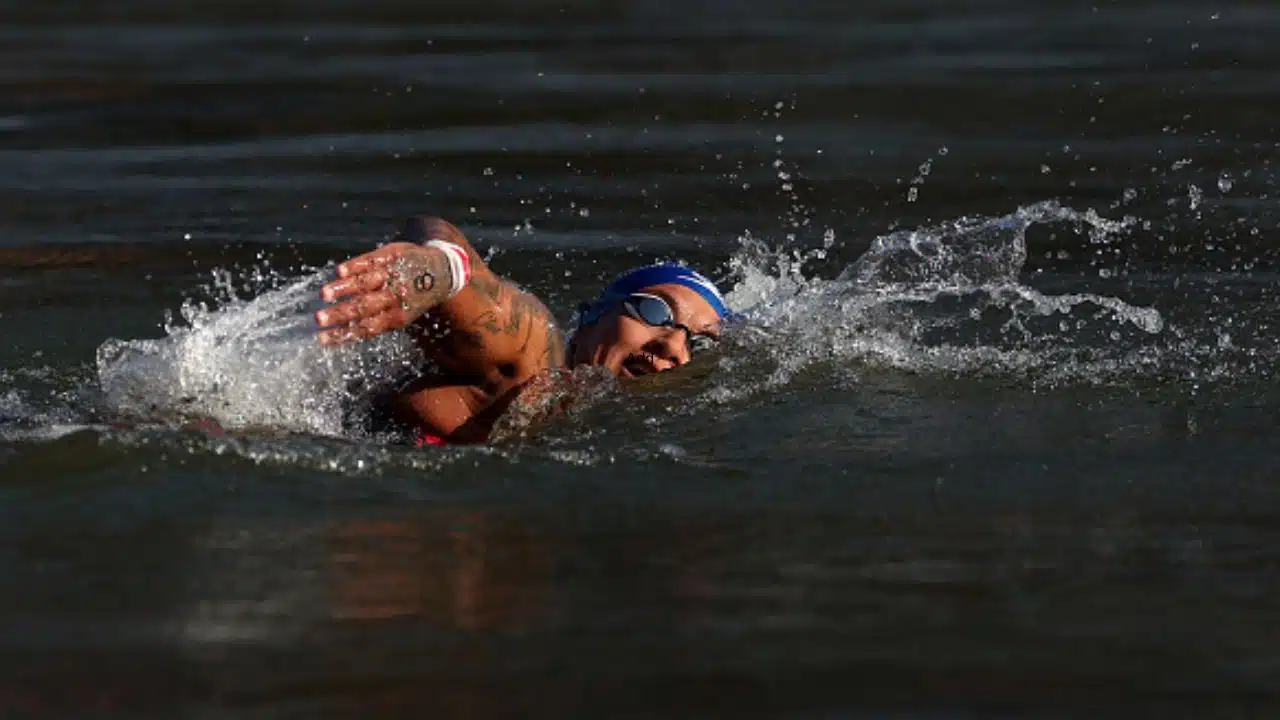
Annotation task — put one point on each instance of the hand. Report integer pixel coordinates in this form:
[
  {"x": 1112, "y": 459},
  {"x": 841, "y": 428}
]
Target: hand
[{"x": 386, "y": 289}]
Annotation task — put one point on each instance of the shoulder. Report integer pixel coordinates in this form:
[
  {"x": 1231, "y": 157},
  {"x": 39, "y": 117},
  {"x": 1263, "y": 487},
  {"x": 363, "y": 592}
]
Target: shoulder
[
  {"x": 544, "y": 346},
  {"x": 506, "y": 338}
]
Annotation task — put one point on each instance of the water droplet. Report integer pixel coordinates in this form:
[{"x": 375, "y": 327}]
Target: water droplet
[
  {"x": 913, "y": 193},
  {"x": 1225, "y": 183},
  {"x": 1195, "y": 195}
]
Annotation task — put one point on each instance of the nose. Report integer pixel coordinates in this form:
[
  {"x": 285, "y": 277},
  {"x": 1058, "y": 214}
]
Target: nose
[{"x": 669, "y": 348}]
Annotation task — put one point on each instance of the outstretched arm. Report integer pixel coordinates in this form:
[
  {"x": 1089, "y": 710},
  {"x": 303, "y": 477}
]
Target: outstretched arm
[
  {"x": 389, "y": 288},
  {"x": 488, "y": 335},
  {"x": 484, "y": 324}
]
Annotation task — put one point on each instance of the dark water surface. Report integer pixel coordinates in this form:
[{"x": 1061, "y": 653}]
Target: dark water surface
[{"x": 996, "y": 442}]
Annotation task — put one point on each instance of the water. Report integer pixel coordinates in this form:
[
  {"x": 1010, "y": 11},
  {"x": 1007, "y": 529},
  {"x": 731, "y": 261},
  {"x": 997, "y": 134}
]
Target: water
[{"x": 994, "y": 442}]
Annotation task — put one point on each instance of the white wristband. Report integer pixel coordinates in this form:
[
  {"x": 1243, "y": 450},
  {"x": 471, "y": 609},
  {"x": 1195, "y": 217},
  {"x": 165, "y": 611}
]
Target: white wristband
[{"x": 459, "y": 264}]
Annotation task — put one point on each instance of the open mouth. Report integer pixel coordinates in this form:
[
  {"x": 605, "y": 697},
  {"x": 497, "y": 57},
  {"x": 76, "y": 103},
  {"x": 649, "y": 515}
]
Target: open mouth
[{"x": 636, "y": 366}]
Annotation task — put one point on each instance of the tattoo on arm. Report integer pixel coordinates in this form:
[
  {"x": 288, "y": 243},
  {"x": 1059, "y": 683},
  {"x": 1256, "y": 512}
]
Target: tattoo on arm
[
  {"x": 488, "y": 320},
  {"x": 523, "y": 313},
  {"x": 424, "y": 282},
  {"x": 415, "y": 281},
  {"x": 521, "y": 306},
  {"x": 419, "y": 229}
]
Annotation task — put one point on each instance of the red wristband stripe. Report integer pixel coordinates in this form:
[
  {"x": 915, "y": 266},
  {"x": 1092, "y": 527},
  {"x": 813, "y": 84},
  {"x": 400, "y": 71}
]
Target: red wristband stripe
[{"x": 459, "y": 264}]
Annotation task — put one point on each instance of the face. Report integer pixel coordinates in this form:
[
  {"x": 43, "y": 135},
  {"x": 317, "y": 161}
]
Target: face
[{"x": 630, "y": 347}]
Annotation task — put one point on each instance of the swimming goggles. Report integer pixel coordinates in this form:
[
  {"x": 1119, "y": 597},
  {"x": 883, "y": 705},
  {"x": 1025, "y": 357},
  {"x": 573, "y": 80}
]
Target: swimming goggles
[{"x": 654, "y": 311}]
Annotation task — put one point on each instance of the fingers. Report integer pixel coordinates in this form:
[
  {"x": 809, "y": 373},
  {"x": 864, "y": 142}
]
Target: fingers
[
  {"x": 365, "y": 328},
  {"x": 362, "y": 306},
  {"x": 374, "y": 259},
  {"x": 352, "y": 284},
  {"x": 373, "y": 306},
  {"x": 364, "y": 263}
]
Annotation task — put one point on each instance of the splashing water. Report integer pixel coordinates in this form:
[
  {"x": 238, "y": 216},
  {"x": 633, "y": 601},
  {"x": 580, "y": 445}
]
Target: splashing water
[
  {"x": 36, "y": 403},
  {"x": 249, "y": 363},
  {"x": 945, "y": 299}
]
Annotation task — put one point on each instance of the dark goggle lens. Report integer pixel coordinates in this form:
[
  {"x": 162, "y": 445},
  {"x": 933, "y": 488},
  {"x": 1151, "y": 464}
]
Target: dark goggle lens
[
  {"x": 650, "y": 310},
  {"x": 655, "y": 311}
]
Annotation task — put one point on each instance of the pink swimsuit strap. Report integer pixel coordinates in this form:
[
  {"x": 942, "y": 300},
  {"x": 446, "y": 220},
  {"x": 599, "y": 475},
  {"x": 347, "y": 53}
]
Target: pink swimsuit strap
[{"x": 425, "y": 438}]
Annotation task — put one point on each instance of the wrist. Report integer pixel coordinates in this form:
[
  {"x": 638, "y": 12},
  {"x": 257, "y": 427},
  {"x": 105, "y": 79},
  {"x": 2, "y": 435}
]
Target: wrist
[{"x": 459, "y": 264}]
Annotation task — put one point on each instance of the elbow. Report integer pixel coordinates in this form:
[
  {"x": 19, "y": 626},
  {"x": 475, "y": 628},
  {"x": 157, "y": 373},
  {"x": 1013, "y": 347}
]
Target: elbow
[{"x": 422, "y": 228}]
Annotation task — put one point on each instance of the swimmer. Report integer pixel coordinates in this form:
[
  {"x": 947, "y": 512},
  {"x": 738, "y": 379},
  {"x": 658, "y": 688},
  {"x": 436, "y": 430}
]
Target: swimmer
[{"x": 494, "y": 342}]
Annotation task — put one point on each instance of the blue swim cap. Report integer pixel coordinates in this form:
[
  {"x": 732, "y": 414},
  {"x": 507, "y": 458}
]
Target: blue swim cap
[{"x": 660, "y": 274}]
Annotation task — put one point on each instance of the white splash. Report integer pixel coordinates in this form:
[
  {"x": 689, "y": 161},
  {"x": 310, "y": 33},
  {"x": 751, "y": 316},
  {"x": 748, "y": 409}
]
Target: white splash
[
  {"x": 248, "y": 363},
  {"x": 945, "y": 299}
]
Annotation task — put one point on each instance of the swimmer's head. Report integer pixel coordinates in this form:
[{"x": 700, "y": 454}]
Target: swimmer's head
[{"x": 649, "y": 320}]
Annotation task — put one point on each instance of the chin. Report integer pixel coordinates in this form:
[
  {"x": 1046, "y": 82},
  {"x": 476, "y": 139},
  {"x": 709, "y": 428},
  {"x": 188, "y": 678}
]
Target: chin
[
  {"x": 614, "y": 362},
  {"x": 602, "y": 356}
]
